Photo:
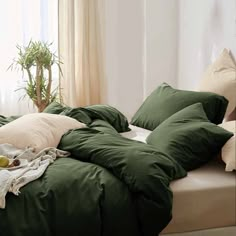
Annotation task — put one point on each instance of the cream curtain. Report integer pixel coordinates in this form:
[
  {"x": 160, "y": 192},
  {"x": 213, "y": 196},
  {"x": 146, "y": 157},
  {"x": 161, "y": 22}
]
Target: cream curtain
[{"x": 81, "y": 51}]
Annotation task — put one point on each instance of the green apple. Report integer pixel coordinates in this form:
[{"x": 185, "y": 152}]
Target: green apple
[{"x": 4, "y": 161}]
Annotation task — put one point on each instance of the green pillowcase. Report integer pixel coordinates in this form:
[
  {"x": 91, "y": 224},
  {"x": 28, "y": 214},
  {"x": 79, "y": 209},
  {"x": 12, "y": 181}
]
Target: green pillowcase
[
  {"x": 107, "y": 113},
  {"x": 165, "y": 101},
  {"x": 54, "y": 108},
  {"x": 91, "y": 113},
  {"x": 189, "y": 137}
]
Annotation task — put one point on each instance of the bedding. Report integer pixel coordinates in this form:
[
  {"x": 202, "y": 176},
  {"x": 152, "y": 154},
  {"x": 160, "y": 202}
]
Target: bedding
[
  {"x": 220, "y": 78},
  {"x": 136, "y": 133},
  {"x": 232, "y": 116},
  {"x": 165, "y": 101},
  {"x": 223, "y": 231},
  {"x": 90, "y": 113},
  {"x": 54, "y": 108},
  {"x": 31, "y": 167},
  {"x": 228, "y": 152},
  {"x": 208, "y": 195},
  {"x": 189, "y": 137},
  {"x": 110, "y": 185},
  {"x": 195, "y": 189},
  {"x": 37, "y": 130}
]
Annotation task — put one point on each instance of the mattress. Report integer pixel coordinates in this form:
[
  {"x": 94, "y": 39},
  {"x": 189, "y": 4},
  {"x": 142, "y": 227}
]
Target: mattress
[{"x": 205, "y": 199}]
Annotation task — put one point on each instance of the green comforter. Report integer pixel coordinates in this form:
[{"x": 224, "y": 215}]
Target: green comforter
[{"x": 111, "y": 186}]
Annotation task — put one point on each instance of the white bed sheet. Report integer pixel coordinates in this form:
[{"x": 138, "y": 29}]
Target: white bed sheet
[{"x": 137, "y": 133}]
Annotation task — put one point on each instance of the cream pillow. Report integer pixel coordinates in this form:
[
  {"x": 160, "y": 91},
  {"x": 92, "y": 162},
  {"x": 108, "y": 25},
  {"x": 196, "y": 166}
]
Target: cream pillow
[
  {"x": 228, "y": 153},
  {"x": 37, "y": 130},
  {"x": 220, "y": 78}
]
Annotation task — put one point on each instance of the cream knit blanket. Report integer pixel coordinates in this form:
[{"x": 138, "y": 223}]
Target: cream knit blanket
[{"x": 13, "y": 180}]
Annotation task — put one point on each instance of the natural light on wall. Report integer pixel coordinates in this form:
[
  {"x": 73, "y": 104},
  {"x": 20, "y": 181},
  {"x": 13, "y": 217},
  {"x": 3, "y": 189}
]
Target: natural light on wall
[{"x": 20, "y": 22}]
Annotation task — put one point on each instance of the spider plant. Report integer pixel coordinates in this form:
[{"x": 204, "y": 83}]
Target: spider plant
[{"x": 36, "y": 59}]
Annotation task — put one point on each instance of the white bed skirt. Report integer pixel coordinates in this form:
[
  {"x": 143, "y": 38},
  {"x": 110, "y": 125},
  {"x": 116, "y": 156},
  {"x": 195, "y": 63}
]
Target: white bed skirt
[{"x": 226, "y": 231}]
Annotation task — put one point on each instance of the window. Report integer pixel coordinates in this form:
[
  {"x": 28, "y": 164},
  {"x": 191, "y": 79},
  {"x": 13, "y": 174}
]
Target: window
[{"x": 20, "y": 22}]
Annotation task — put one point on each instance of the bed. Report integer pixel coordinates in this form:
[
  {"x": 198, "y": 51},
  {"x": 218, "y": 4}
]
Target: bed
[
  {"x": 202, "y": 215},
  {"x": 117, "y": 178},
  {"x": 110, "y": 185},
  {"x": 208, "y": 195}
]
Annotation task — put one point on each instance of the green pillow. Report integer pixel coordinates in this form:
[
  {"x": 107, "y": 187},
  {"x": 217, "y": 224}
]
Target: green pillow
[
  {"x": 165, "y": 101},
  {"x": 90, "y": 113},
  {"x": 109, "y": 114},
  {"x": 5, "y": 120},
  {"x": 189, "y": 137},
  {"x": 54, "y": 108}
]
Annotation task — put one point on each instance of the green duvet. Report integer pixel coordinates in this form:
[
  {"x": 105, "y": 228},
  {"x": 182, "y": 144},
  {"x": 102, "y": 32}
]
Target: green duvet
[{"x": 110, "y": 186}]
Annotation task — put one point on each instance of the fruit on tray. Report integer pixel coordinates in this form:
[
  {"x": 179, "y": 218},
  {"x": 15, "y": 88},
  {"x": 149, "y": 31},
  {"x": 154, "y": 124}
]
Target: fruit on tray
[
  {"x": 4, "y": 161},
  {"x": 16, "y": 162}
]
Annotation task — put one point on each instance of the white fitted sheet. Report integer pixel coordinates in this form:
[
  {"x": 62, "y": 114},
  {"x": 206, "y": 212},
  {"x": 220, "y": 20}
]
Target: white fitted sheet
[{"x": 137, "y": 133}]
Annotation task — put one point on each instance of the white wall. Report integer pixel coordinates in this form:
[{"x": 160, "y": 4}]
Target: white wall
[
  {"x": 151, "y": 41},
  {"x": 124, "y": 54},
  {"x": 205, "y": 28},
  {"x": 161, "y": 43},
  {"x": 141, "y": 41}
]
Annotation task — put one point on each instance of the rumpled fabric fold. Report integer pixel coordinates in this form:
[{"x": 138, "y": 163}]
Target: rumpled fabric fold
[{"x": 13, "y": 180}]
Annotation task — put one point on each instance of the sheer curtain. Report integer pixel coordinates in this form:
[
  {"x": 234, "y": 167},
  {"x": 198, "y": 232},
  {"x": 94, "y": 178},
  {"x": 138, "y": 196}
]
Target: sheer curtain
[
  {"x": 81, "y": 43},
  {"x": 20, "y": 22}
]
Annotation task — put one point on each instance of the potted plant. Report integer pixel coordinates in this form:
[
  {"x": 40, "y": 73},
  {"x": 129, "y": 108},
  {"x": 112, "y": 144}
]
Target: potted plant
[{"x": 36, "y": 59}]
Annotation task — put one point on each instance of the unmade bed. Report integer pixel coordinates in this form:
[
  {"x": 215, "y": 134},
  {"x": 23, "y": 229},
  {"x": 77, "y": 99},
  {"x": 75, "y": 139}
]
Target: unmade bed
[
  {"x": 204, "y": 202},
  {"x": 111, "y": 185}
]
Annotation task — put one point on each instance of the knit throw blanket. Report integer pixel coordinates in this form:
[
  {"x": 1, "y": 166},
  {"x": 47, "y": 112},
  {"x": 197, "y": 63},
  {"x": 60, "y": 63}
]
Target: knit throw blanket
[{"x": 11, "y": 180}]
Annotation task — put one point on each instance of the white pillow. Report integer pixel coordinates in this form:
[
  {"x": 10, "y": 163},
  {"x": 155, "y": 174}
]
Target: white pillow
[
  {"x": 220, "y": 78},
  {"x": 228, "y": 151},
  {"x": 37, "y": 130}
]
